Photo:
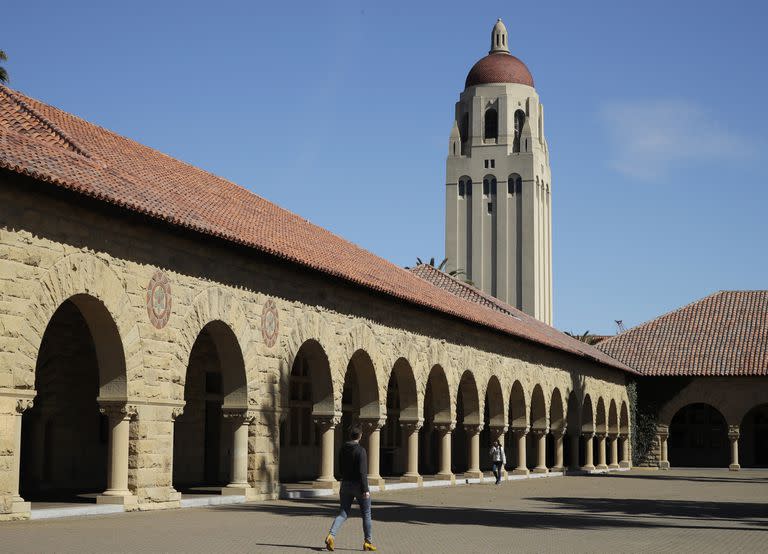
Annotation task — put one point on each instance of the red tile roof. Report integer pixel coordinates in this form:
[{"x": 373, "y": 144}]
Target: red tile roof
[
  {"x": 725, "y": 333},
  {"x": 518, "y": 318},
  {"x": 56, "y": 147},
  {"x": 499, "y": 68}
]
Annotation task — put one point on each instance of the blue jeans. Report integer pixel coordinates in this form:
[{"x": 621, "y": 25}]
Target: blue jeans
[
  {"x": 497, "y": 471},
  {"x": 348, "y": 493}
]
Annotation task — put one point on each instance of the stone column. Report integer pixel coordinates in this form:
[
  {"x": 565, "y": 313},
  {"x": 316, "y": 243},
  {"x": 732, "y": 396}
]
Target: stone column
[
  {"x": 497, "y": 434},
  {"x": 614, "y": 441},
  {"x": 119, "y": 415},
  {"x": 520, "y": 435},
  {"x": 411, "y": 431},
  {"x": 624, "y": 444},
  {"x": 733, "y": 435},
  {"x": 372, "y": 429},
  {"x": 588, "y": 452},
  {"x": 601, "y": 458},
  {"x": 241, "y": 420},
  {"x": 13, "y": 403},
  {"x": 541, "y": 450},
  {"x": 474, "y": 451},
  {"x": 663, "y": 434},
  {"x": 445, "y": 430},
  {"x": 558, "y": 434},
  {"x": 326, "y": 425}
]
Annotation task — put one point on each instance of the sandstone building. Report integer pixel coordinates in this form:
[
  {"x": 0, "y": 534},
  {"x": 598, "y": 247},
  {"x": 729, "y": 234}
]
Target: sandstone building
[
  {"x": 164, "y": 331},
  {"x": 498, "y": 208}
]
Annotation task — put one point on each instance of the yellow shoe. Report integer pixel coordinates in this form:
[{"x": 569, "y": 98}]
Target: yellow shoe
[
  {"x": 367, "y": 546},
  {"x": 329, "y": 542}
]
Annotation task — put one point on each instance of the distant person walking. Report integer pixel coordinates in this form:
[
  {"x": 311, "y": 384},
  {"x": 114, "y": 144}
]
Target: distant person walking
[
  {"x": 353, "y": 462},
  {"x": 499, "y": 459}
]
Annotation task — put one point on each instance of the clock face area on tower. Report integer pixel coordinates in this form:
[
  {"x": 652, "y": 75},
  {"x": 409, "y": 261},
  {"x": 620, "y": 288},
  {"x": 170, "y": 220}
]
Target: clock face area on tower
[{"x": 498, "y": 183}]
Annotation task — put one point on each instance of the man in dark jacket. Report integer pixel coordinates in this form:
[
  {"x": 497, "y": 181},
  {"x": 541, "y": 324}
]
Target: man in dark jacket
[{"x": 353, "y": 462}]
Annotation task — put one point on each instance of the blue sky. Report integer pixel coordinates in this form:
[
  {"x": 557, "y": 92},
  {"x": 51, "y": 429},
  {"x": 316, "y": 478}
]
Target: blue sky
[{"x": 340, "y": 111}]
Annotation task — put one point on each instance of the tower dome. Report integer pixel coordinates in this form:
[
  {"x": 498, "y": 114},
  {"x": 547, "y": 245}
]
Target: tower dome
[{"x": 499, "y": 66}]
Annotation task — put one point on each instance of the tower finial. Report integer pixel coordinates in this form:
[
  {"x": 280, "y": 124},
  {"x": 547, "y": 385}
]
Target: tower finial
[{"x": 499, "y": 38}]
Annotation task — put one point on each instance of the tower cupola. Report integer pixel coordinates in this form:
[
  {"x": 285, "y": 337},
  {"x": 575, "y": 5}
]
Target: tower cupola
[{"x": 499, "y": 38}]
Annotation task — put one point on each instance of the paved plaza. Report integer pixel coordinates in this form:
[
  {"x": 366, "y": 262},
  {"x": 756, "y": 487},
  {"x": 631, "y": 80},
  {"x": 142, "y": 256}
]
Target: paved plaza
[{"x": 635, "y": 511}]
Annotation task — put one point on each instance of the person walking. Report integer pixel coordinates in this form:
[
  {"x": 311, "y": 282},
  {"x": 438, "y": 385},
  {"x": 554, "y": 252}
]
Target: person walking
[
  {"x": 353, "y": 462},
  {"x": 499, "y": 459}
]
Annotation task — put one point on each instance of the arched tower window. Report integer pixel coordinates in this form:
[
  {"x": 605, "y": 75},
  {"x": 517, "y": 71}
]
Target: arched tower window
[
  {"x": 489, "y": 185},
  {"x": 464, "y": 129},
  {"x": 468, "y": 187},
  {"x": 514, "y": 184},
  {"x": 519, "y": 123},
  {"x": 491, "y": 124}
]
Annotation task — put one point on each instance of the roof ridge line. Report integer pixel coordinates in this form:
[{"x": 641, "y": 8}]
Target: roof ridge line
[{"x": 44, "y": 121}]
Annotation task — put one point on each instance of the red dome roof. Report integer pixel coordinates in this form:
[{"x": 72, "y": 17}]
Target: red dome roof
[{"x": 499, "y": 68}]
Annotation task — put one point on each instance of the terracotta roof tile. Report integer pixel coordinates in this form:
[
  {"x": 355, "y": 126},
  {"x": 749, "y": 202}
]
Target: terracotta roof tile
[
  {"x": 725, "y": 333},
  {"x": 56, "y": 147}
]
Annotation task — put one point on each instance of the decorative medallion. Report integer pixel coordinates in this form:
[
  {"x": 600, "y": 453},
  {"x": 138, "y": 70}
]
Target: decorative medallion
[
  {"x": 270, "y": 323},
  {"x": 159, "y": 299}
]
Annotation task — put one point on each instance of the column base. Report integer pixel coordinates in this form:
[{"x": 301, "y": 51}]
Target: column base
[
  {"x": 376, "y": 481},
  {"x": 238, "y": 490},
  {"x": 663, "y": 465},
  {"x": 21, "y": 507},
  {"x": 613, "y": 466},
  {"x": 412, "y": 478},
  {"x": 127, "y": 499},
  {"x": 624, "y": 465},
  {"x": 520, "y": 471},
  {"x": 540, "y": 470},
  {"x": 473, "y": 474},
  {"x": 734, "y": 467},
  {"x": 557, "y": 469},
  {"x": 446, "y": 477},
  {"x": 588, "y": 468},
  {"x": 326, "y": 484},
  {"x": 601, "y": 467}
]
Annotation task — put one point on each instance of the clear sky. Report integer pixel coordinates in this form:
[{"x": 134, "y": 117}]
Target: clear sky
[{"x": 341, "y": 111}]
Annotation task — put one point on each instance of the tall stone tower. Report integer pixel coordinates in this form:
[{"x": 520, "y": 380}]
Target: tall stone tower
[{"x": 498, "y": 207}]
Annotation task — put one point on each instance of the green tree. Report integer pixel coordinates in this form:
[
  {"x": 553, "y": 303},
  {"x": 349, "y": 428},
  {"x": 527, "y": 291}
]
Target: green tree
[
  {"x": 3, "y": 72},
  {"x": 441, "y": 266},
  {"x": 585, "y": 337}
]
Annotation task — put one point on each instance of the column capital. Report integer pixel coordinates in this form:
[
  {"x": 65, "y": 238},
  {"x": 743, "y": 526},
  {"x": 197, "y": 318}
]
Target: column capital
[
  {"x": 520, "y": 430},
  {"x": 613, "y": 436},
  {"x": 560, "y": 431},
  {"x": 601, "y": 434},
  {"x": 733, "y": 432},
  {"x": 371, "y": 425},
  {"x": 326, "y": 421},
  {"x": 540, "y": 431},
  {"x": 446, "y": 427},
  {"x": 243, "y": 416},
  {"x": 588, "y": 434},
  {"x": 23, "y": 404},
  {"x": 410, "y": 426},
  {"x": 118, "y": 410},
  {"x": 473, "y": 428}
]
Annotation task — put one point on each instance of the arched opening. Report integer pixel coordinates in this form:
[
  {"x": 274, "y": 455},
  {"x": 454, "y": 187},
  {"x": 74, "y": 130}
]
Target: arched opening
[
  {"x": 467, "y": 414},
  {"x": 203, "y": 437},
  {"x": 698, "y": 437},
  {"x": 310, "y": 393},
  {"x": 538, "y": 423},
  {"x": 587, "y": 430},
  {"x": 359, "y": 399},
  {"x": 518, "y": 421},
  {"x": 556, "y": 424},
  {"x": 613, "y": 419},
  {"x": 401, "y": 407},
  {"x": 571, "y": 441},
  {"x": 519, "y": 124},
  {"x": 437, "y": 410},
  {"x": 493, "y": 421},
  {"x": 753, "y": 439},
  {"x": 624, "y": 419},
  {"x": 65, "y": 438},
  {"x": 491, "y": 124}
]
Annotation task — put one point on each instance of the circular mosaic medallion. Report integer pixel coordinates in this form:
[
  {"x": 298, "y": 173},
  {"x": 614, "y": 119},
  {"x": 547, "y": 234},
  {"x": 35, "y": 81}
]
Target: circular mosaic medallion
[
  {"x": 159, "y": 299},
  {"x": 270, "y": 323}
]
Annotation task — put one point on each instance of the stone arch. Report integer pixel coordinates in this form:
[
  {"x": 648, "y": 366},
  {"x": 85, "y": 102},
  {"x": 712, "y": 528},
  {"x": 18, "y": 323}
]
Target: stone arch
[
  {"x": 406, "y": 384},
  {"x": 470, "y": 398},
  {"x": 587, "y": 415},
  {"x": 698, "y": 437},
  {"x": 495, "y": 403},
  {"x": 92, "y": 284},
  {"x": 360, "y": 339},
  {"x": 556, "y": 411},
  {"x": 363, "y": 371},
  {"x": 440, "y": 396},
  {"x": 613, "y": 418},
  {"x": 753, "y": 439},
  {"x": 538, "y": 409},
  {"x": 218, "y": 312},
  {"x": 624, "y": 419},
  {"x": 518, "y": 407},
  {"x": 600, "y": 417}
]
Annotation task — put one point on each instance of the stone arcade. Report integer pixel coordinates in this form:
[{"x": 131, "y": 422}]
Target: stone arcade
[{"x": 164, "y": 331}]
